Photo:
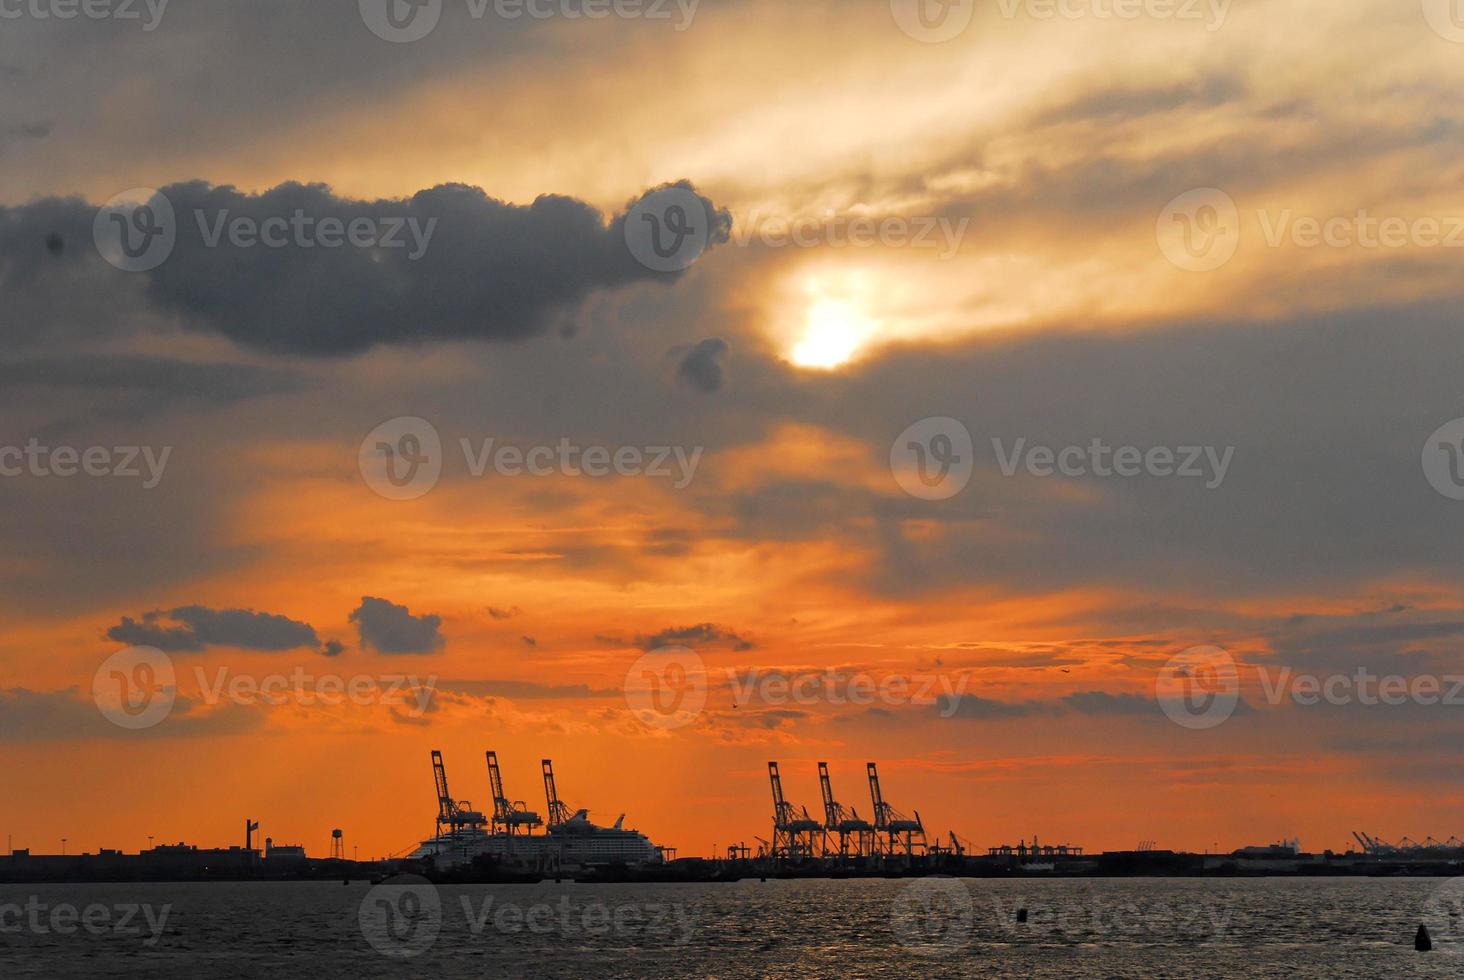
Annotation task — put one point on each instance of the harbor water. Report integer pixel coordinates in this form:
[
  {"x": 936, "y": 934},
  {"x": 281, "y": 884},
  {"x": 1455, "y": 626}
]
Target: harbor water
[{"x": 1241, "y": 928}]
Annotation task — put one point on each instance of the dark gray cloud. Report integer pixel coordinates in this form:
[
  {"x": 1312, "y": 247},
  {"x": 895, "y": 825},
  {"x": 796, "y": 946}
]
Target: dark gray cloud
[
  {"x": 700, "y": 635},
  {"x": 1104, "y": 703},
  {"x": 387, "y": 627},
  {"x": 34, "y": 131},
  {"x": 1090, "y": 703},
  {"x": 973, "y": 708},
  {"x": 1325, "y": 486},
  {"x": 527, "y": 690},
  {"x": 467, "y": 267},
  {"x": 192, "y": 629},
  {"x": 701, "y": 366},
  {"x": 1397, "y": 639}
]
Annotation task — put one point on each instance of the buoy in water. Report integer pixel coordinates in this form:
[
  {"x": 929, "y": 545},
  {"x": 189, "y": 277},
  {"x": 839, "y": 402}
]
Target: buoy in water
[
  {"x": 1421, "y": 940},
  {"x": 1021, "y": 915}
]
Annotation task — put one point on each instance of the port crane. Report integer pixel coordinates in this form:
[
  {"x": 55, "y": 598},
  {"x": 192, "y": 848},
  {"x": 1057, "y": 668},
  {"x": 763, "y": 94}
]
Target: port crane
[
  {"x": 454, "y": 815},
  {"x": 509, "y": 816},
  {"x": 845, "y": 822},
  {"x": 1373, "y": 846},
  {"x": 793, "y": 834},
  {"x": 893, "y": 824},
  {"x": 558, "y": 813}
]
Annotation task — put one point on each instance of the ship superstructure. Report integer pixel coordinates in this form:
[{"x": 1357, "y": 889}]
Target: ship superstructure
[{"x": 570, "y": 839}]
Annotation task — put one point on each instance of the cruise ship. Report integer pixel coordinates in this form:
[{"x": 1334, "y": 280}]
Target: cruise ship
[{"x": 570, "y": 839}]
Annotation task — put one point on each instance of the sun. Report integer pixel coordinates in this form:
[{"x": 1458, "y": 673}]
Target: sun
[{"x": 833, "y": 332}]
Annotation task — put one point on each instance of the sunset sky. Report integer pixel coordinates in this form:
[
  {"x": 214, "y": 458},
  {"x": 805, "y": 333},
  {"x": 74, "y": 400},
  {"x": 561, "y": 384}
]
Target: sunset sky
[{"x": 1040, "y": 156}]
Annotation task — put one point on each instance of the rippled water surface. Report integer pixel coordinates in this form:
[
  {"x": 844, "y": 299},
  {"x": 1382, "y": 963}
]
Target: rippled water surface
[{"x": 937, "y": 927}]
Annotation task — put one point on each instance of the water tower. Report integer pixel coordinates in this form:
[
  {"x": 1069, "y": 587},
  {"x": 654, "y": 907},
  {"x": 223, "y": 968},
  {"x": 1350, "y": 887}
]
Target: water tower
[{"x": 337, "y": 845}]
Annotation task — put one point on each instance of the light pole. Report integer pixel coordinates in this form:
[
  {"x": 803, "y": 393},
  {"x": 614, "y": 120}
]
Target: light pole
[{"x": 63, "y": 847}]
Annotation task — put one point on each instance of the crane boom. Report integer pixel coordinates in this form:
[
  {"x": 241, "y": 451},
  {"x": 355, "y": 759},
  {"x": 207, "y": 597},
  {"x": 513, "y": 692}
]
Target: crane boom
[
  {"x": 558, "y": 812},
  {"x": 779, "y": 804},
  {"x": 831, "y": 808},
  {"x": 446, "y": 808},
  {"x": 495, "y": 782},
  {"x": 881, "y": 817}
]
